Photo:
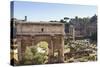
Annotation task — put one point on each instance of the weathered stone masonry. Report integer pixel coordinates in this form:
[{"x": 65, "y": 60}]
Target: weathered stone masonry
[{"x": 30, "y": 33}]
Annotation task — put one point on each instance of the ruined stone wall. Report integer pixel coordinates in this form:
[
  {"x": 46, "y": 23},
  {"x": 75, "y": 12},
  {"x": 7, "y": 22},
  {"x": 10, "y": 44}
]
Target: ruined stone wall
[
  {"x": 40, "y": 28},
  {"x": 37, "y": 32}
]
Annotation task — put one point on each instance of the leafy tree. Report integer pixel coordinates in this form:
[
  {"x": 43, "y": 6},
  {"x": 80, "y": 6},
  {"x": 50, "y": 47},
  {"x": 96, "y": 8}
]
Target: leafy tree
[
  {"x": 93, "y": 18},
  {"x": 53, "y": 21},
  {"x": 43, "y": 45},
  {"x": 62, "y": 21},
  {"x": 34, "y": 50},
  {"x": 32, "y": 56},
  {"x": 66, "y": 18},
  {"x": 66, "y": 23},
  {"x": 39, "y": 58},
  {"x": 93, "y": 37},
  {"x": 28, "y": 56}
]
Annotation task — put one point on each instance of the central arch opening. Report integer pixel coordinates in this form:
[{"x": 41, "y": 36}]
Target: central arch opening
[
  {"x": 36, "y": 54},
  {"x": 42, "y": 48}
]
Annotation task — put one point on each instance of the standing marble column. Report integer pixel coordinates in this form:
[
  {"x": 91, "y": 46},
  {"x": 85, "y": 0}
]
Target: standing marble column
[
  {"x": 61, "y": 51},
  {"x": 19, "y": 50},
  {"x": 51, "y": 55},
  {"x": 73, "y": 33}
]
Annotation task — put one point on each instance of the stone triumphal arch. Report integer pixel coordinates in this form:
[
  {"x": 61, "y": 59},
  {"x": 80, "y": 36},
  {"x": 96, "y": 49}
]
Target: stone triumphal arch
[{"x": 30, "y": 33}]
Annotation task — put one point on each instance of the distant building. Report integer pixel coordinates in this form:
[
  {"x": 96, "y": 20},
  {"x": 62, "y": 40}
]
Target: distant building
[{"x": 78, "y": 30}]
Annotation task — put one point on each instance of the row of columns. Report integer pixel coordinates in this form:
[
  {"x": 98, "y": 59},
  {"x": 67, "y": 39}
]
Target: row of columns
[
  {"x": 51, "y": 50},
  {"x": 60, "y": 51}
]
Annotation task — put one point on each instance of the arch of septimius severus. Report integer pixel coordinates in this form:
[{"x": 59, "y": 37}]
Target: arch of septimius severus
[{"x": 31, "y": 33}]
